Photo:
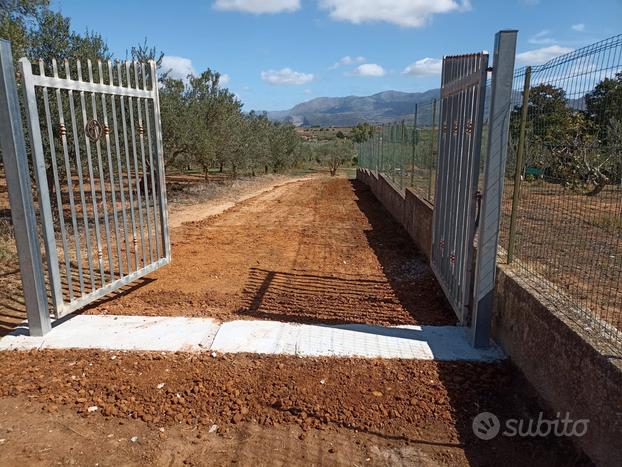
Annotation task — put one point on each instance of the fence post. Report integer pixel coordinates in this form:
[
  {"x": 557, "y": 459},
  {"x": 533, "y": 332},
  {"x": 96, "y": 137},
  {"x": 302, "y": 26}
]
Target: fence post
[
  {"x": 412, "y": 165},
  {"x": 402, "y": 138},
  {"x": 486, "y": 266},
  {"x": 432, "y": 159},
  {"x": 17, "y": 175},
  {"x": 382, "y": 137},
  {"x": 520, "y": 161}
]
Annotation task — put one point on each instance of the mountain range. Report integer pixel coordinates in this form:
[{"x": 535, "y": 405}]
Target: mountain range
[{"x": 384, "y": 107}]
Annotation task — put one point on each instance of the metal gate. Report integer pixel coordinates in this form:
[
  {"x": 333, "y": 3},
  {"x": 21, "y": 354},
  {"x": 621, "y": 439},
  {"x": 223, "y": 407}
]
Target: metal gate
[
  {"x": 468, "y": 282},
  {"x": 463, "y": 92},
  {"x": 96, "y": 143}
]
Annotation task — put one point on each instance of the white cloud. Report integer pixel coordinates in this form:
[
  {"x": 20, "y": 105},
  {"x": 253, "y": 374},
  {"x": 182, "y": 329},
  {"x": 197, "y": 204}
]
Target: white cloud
[
  {"x": 425, "y": 67},
  {"x": 225, "y": 79},
  {"x": 177, "y": 67},
  {"x": 407, "y": 13},
  {"x": 286, "y": 76},
  {"x": 580, "y": 27},
  {"x": 369, "y": 69},
  {"x": 543, "y": 37},
  {"x": 347, "y": 60},
  {"x": 542, "y": 55},
  {"x": 258, "y": 6}
]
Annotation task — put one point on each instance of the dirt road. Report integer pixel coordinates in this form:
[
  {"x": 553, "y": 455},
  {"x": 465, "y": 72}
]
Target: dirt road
[
  {"x": 321, "y": 251},
  {"x": 317, "y": 251}
]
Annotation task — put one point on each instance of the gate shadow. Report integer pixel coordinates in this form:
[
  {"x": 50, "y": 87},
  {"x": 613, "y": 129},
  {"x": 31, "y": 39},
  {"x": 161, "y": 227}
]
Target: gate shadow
[{"x": 405, "y": 292}]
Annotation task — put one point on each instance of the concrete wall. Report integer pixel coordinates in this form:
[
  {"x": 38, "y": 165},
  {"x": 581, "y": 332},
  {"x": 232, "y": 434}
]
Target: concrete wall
[
  {"x": 414, "y": 213},
  {"x": 568, "y": 372}
]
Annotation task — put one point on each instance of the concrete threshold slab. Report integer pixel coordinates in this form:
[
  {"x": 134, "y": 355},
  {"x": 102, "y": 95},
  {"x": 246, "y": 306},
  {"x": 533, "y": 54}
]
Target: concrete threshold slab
[
  {"x": 166, "y": 334},
  {"x": 172, "y": 334}
]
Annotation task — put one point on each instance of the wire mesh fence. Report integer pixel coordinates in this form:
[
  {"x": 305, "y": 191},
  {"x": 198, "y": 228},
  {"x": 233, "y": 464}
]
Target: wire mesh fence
[
  {"x": 406, "y": 151},
  {"x": 561, "y": 220}
]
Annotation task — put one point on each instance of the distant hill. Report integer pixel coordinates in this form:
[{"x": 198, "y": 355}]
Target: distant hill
[{"x": 383, "y": 107}]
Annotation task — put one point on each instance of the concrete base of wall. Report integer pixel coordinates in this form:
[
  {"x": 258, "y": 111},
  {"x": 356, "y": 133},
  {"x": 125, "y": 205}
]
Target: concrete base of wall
[{"x": 571, "y": 375}]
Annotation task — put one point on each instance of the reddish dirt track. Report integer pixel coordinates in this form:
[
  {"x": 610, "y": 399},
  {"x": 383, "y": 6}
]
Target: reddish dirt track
[
  {"x": 268, "y": 410},
  {"x": 317, "y": 251}
]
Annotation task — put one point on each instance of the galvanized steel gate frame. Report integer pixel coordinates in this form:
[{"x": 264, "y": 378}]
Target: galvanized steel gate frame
[
  {"x": 468, "y": 284},
  {"x": 131, "y": 200}
]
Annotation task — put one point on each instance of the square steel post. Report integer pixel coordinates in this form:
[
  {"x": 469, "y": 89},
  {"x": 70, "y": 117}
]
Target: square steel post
[
  {"x": 485, "y": 271},
  {"x": 15, "y": 160}
]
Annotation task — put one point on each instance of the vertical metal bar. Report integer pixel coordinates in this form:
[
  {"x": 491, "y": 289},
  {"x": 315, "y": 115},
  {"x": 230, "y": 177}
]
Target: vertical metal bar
[
  {"x": 520, "y": 161},
  {"x": 432, "y": 158},
  {"x": 36, "y": 146},
  {"x": 102, "y": 183},
  {"x": 72, "y": 203},
  {"x": 414, "y": 151},
  {"x": 130, "y": 101},
  {"x": 129, "y": 174},
  {"x": 113, "y": 194},
  {"x": 166, "y": 242},
  {"x": 485, "y": 274},
  {"x": 440, "y": 164},
  {"x": 403, "y": 140},
  {"x": 85, "y": 216},
  {"x": 151, "y": 167},
  {"x": 57, "y": 186},
  {"x": 15, "y": 161},
  {"x": 141, "y": 136},
  {"x": 89, "y": 162},
  {"x": 120, "y": 169},
  {"x": 470, "y": 227}
]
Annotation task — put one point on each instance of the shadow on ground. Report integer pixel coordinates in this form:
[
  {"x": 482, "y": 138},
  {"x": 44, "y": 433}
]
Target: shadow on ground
[{"x": 404, "y": 293}]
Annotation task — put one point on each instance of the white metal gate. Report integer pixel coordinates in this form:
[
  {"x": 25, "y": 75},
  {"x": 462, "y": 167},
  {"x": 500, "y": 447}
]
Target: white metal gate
[{"x": 96, "y": 142}]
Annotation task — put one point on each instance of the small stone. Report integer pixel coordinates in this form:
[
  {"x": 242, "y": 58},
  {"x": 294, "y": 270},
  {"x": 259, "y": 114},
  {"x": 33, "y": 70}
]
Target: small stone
[
  {"x": 160, "y": 386},
  {"x": 322, "y": 381},
  {"x": 213, "y": 428},
  {"x": 134, "y": 439},
  {"x": 376, "y": 393},
  {"x": 92, "y": 409}
]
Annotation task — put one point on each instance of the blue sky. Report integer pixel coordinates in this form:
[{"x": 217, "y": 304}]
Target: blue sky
[{"x": 277, "y": 53}]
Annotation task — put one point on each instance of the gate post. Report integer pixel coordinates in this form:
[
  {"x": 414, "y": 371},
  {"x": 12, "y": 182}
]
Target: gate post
[
  {"x": 15, "y": 160},
  {"x": 499, "y": 125}
]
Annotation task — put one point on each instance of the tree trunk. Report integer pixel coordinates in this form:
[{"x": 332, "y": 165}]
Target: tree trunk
[{"x": 598, "y": 187}]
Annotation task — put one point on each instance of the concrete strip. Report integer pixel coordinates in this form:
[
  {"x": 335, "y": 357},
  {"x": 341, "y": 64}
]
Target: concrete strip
[
  {"x": 350, "y": 340},
  {"x": 172, "y": 334},
  {"x": 166, "y": 334}
]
